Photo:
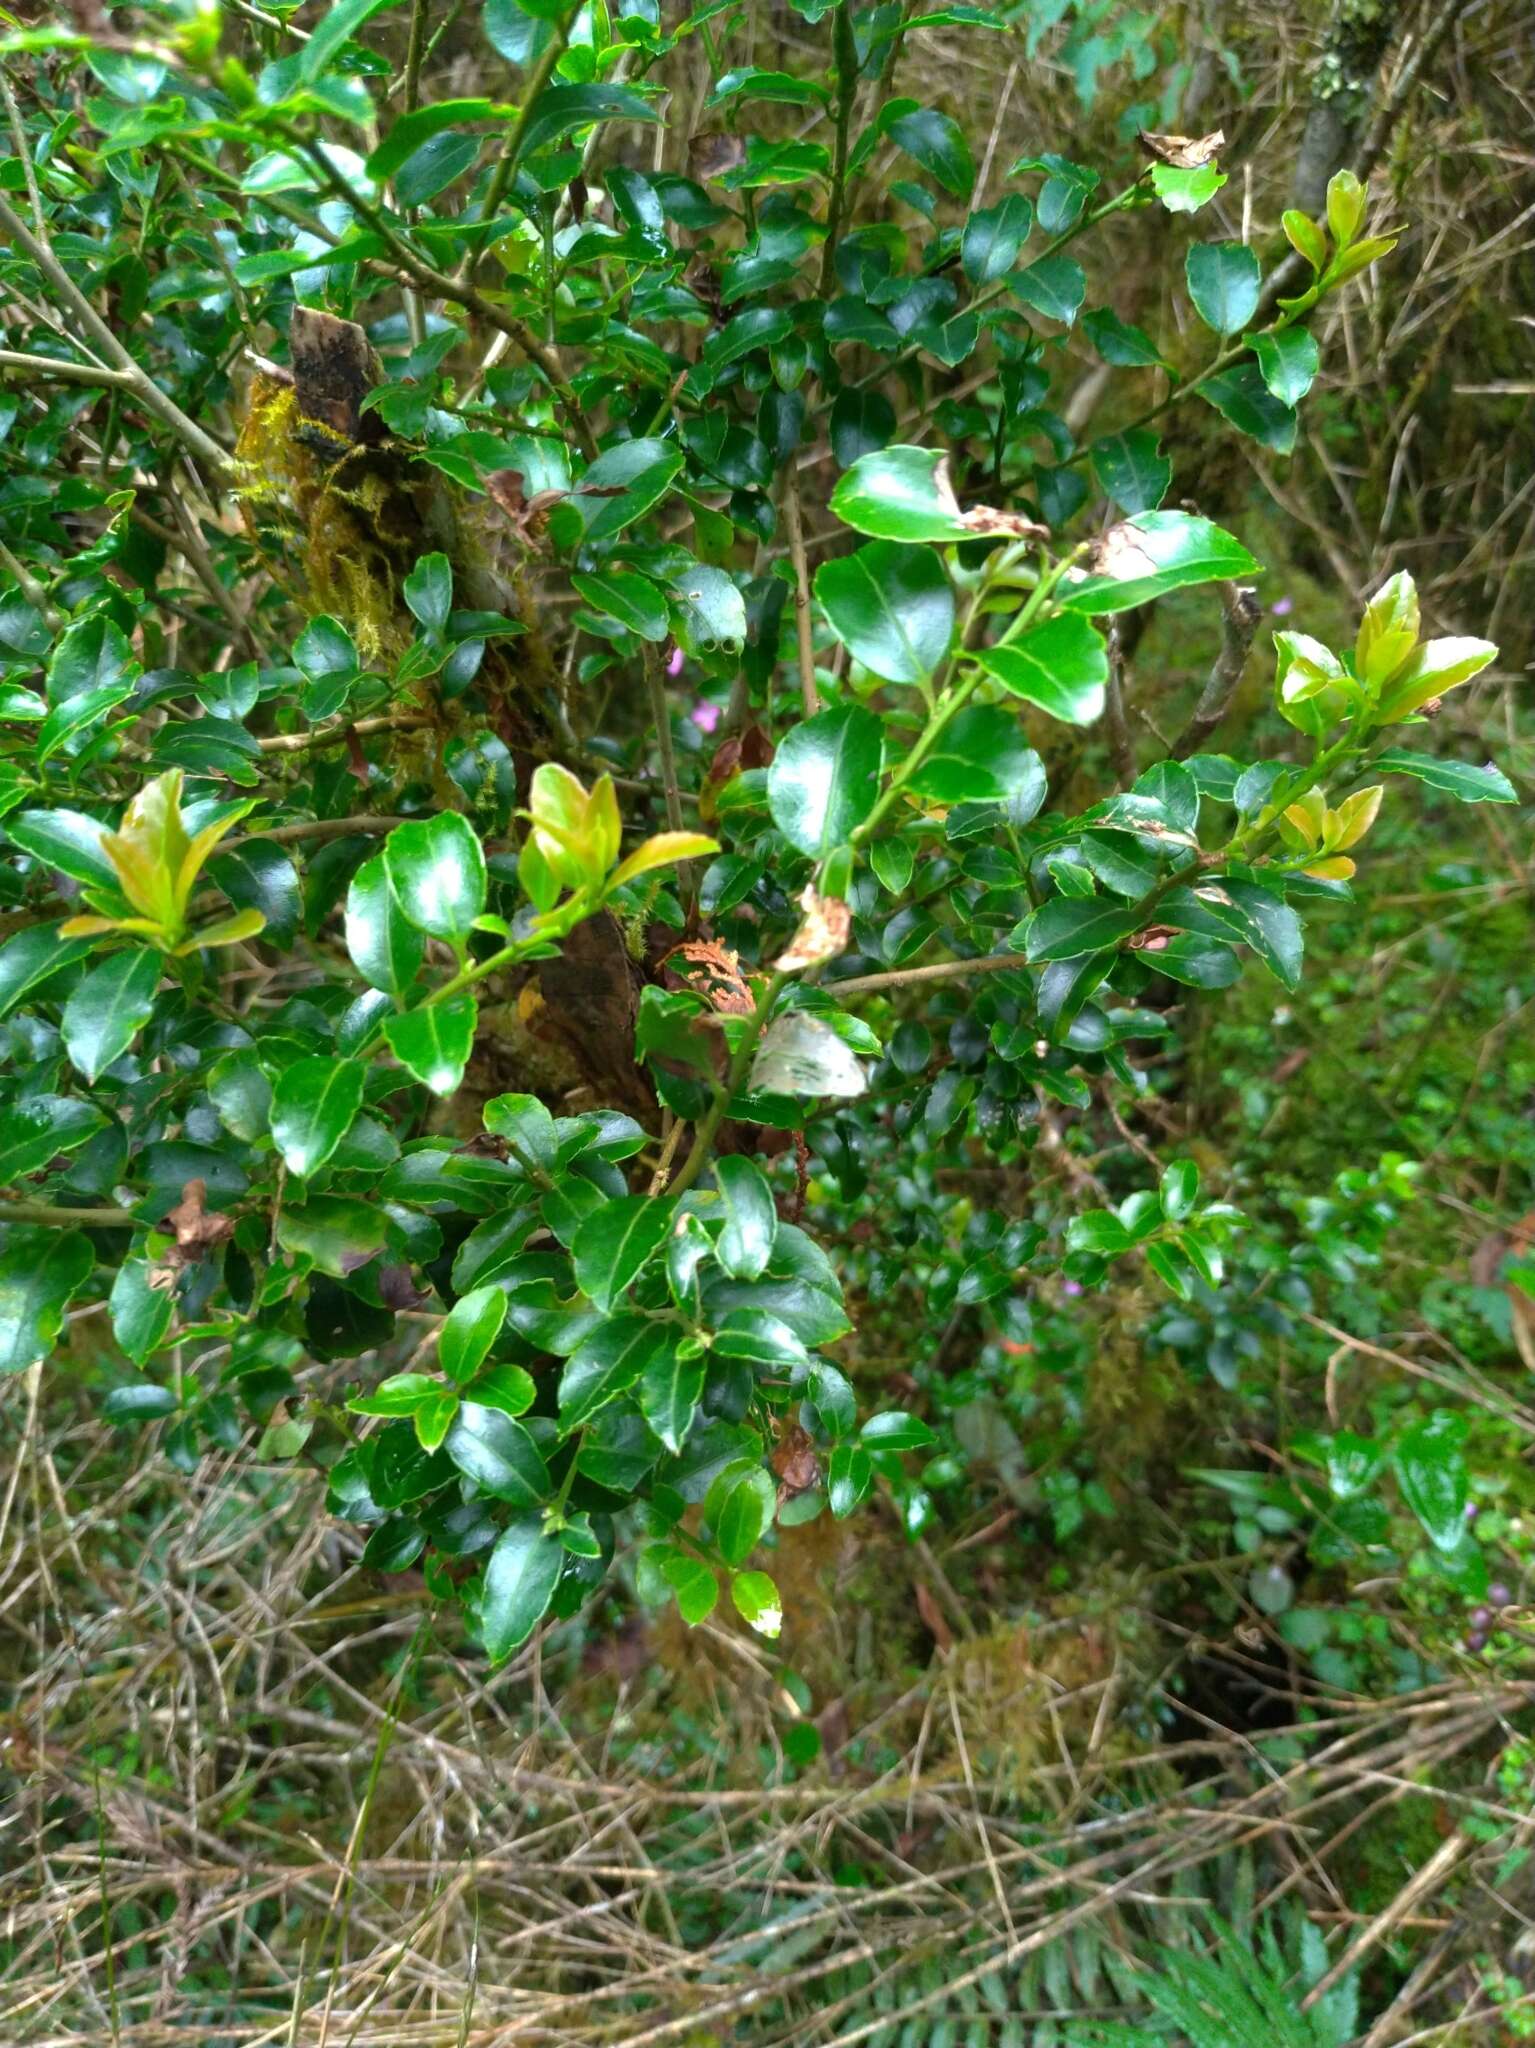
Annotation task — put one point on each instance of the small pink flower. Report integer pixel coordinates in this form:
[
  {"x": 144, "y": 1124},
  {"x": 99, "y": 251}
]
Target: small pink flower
[
  {"x": 674, "y": 662},
  {"x": 1282, "y": 607},
  {"x": 1071, "y": 1287},
  {"x": 705, "y": 716}
]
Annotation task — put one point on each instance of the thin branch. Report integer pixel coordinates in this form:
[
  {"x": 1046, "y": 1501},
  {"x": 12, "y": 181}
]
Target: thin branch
[
  {"x": 338, "y": 735},
  {"x": 44, "y": 1212},
  {"x": 660, "y": 712},
  {"x": 506, "y": 165},
  {"x": 847, "y": 91},
  {"x": 1243, "y": 611},
  {"x": 944, "y": 970},
  {"x": 1121, "y": 752},
  {"x": 66, "y": 370},
  {"x": 135, "y": 377},
  {"x": 796, "y": 533}
]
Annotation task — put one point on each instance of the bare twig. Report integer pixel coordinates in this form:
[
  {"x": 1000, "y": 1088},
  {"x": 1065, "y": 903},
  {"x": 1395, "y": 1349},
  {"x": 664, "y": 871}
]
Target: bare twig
[{"x": 1243, "y": 611}]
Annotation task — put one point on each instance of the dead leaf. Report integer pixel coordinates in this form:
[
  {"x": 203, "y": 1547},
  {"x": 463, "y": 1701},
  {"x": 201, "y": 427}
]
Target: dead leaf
[
  {"x": 826, "y": 923},
  {"x": 795, "y": 1461},
  {"x": 711, "y": 156},
  {"x": 712, "y": 971},
  {"x": 991, "y": 519},
  {"x": 196, "y": 1233},
  {"x": 1183, "y": 152}
]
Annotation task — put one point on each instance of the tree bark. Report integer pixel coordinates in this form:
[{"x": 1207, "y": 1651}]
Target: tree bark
[{"x": 1358, "y": 36}]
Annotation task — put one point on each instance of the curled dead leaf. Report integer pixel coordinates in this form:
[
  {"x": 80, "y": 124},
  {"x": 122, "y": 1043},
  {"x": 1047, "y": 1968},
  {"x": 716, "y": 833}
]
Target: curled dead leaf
[
  {"x": 1183, "y": 152},
  {"x": 794, "y": 1460},
  {"x": 826, "y": 923},
  {"x": 713, "y": 972}
]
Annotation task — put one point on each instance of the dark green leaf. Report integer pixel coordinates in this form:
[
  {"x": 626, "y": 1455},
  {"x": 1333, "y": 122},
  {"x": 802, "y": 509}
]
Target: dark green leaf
[
  {"x": 108, "y": 1009},
  {"x": 607, "y": 1363},
  {"x": 993, "y": 237},
  {"x": 1241, "y": 396},
  {"x": 1132, "y": 469},
  {"x": 40, "y": 1273},
  {"x": 669, "y": 1390},
  {"x": 498, "y": 1454},
  {"x": 1223, "y": 278},
  {"x": 613, "y": 1245},
  {"x": 745, "y": 1244},
  {"x": 521, "y": 1574},
  {"x": 40, "y": 1128},
  {"x": 473, "y": 1325},
  {"x": 1070, "y": 925},
  {"x": 313, "y": 1104}
]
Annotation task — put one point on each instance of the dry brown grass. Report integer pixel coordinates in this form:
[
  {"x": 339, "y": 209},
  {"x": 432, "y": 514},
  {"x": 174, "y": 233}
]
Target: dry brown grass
[{"x": 256, "y": 1796}]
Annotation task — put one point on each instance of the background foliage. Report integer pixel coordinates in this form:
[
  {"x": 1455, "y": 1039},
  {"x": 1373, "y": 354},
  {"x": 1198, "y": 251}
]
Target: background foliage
[{"x": 673, "y": 962}]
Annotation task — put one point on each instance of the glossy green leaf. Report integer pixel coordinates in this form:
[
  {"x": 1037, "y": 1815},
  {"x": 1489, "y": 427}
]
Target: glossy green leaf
[
  {"x": 1431, "y": 1470},
  {"x": 849, "y": 1478},
  {"x": 1288, "y": 360},
  {"x": 936, "y": 143},
  {"x": 742, "y": 1514},
  {"x": 1185, "y": 191},
  {"x": 1464, "y": 781},
  {"x": 1055, "y": 286},
  {"x": 41, "y": 1128},
  {"x": 473, "y": 1325},
  {"x": 1241, "y": 396},
  {"x": 981, "y": 756},
  {"x": 497, "y": 1454},
  {"x": 895, "y": 1430},
  {"x": 108, "y": 1009},
  {"x": 435, "y": 1042},
  {"x": 1224, "y": 279},
  {"x": 65, "y": 840},
  {"x": 1067, "y": 926},
  {"x": 1132, "y": 469},
  {"x": 633, "y": 600},
  {"x": 993, "y": 237},
  {"x": 521, "y": 1575},
  {"x": 41, "y": 1271},
  {"x": 1153, "y": 553},
  {"x": 314, "y": 1102},
  {"x": 900, "y": 493},
  {"x": 606, "y": 1364},
  {"x": 891, "y": 606},
  {"x": 385, "y": 946},
  {"x": 670, "y": 1388},
  {"x": 745, "y": 1243},
  {"x": 612, "y": 1246},
  {"x": 758, "y": 1602},
  {"x": 1062, "y": 666},
  {"x": 436, "y": 868},
  {"x": 824, "y": 778}
]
